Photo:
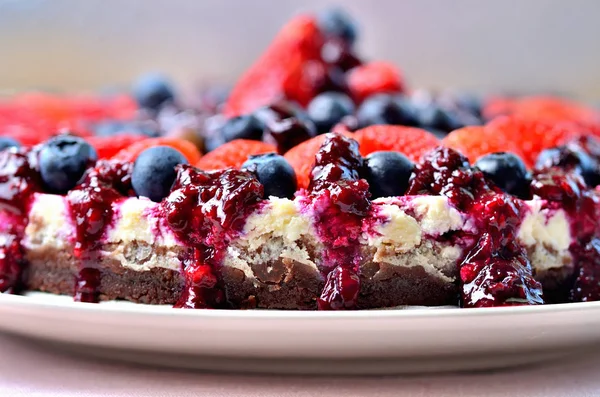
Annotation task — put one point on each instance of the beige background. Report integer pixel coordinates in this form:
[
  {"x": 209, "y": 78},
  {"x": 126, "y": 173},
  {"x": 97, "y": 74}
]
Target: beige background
[{"x": 484, "y": 44}]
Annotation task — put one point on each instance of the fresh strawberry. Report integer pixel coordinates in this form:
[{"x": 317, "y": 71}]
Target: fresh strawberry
[
  {"x": 280, "y": 71},
  {"x": 525, "y": 138},
  {"x": 410, "y": 141},
  {"x": 233, "y": 154},
  {"x": 476, "y": 141},
  {"x": 542, "y": 108},
  {"x": 107, "y": 147},
  {"x": 532, "y": 136},
  {"x": 186, "y": 148},
  {"x": 373, "y": 78},
  {"x": 302, "y": 157}
]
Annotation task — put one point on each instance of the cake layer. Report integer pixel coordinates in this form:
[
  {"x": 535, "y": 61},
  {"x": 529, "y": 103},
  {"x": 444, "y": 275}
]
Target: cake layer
[{"x": 410, "y": 248}]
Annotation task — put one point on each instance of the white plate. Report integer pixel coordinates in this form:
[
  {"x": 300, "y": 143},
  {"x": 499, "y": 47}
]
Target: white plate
[{"x": 362, "y": 342}]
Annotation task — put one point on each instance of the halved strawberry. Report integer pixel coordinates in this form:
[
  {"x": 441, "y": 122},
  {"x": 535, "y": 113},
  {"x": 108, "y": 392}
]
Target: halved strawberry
[
  {"x": 186, "y": 148},
  {"x": 233, "y": 154},
  {"x": 410, "y": 141},
  {"x": 280, "y": 71}
]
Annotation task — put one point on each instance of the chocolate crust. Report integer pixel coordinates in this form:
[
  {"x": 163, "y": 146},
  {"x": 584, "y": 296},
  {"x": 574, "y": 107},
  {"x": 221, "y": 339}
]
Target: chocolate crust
[{"x": 283, "y": 284}]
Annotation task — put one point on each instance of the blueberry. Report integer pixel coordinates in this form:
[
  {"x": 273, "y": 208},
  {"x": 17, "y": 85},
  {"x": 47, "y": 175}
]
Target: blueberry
[
  {"x": 154, "y": 172},
  {"x": 386, "y": 109},
  {"x": 570, "y": 157},
  {"x": 434, "y": 116},
  {"x": 63, "y": 161},
  {"x": 112, "y": 128},
  {"x": 336, "y": 22},
  {"x": 274, "y": 172},
  {"x": 387, "y": 173},
  {"x": 507, "y": 171},
  {"x": 8, "y": 142},
  {"x": 151, "y": 91},
  {"x": 286, "y": 125},
  {"x": 242, "y": 127},
  {"x": 327, "y": 109}
]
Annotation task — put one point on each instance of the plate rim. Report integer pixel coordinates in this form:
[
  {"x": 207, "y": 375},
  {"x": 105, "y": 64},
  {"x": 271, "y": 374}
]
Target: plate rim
[{"x": 130, "y": 308}]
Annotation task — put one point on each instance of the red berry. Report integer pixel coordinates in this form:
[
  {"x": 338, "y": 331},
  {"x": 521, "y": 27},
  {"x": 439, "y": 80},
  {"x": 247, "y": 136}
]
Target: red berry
[
  {"x": 107, "y": 147},
  {"x": 186, "y": 148},
  {"x": 523, "y": 137},
  {"x": 477, "y": 141},
  {"x": 233, "y": 154},
  {"x": 280, "y": 71},
  {"x": 410, "y": 141},
  {"x": 302, "y": 158},
  {"x": 373, "y": 78}
]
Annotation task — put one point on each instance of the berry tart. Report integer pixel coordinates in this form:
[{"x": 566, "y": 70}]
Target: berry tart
[{"x": 319, "y": 181}]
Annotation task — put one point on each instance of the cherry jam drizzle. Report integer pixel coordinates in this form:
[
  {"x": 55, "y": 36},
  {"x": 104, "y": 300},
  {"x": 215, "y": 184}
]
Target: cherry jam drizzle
[
  {"x": 206, "y": 210},
  {"x": 339, "y": 199},
  {"x": 495, "y": 270},
  {"x": 91, "y": 211},
  {"x": 566, "y": 189},
  {"x": 19, "y": 180}
]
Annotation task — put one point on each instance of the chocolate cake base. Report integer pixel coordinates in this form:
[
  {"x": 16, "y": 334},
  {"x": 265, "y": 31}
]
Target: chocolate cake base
[{"x": 285, "y": 284}]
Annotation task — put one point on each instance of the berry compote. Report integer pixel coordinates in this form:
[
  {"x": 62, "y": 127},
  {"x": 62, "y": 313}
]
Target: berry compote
[
  {"x": 495, "y": 270},
  {"x": 206, "y": 210},
  {"x": 19, "y": 180},
  {"x": 339, "y": 199},
  {"x": 564, "y": 188},
  {"x": 91, "y": 210}
]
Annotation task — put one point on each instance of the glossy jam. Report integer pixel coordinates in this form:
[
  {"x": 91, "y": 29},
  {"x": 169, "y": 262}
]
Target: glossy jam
[
  {"x": 339, "y": 200},
  {"x": 206, "y": 210},
  {"x": 19, "y": 180},
  {"x": 495, "y": 270},
  {"x": 565, "y": 189},
  {"x": 91, "y": 211}
]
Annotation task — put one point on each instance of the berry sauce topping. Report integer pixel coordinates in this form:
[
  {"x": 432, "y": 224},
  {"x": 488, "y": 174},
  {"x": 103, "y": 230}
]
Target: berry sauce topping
[
  {"x": 340, "y": 200},
  {"x": 496, "y": 270},
  {"x": 206, "y": 210},
  {"x": 563, "y": 186},
  {"x": 19, "y": 179},
  {"x": 91, "y": 210}
]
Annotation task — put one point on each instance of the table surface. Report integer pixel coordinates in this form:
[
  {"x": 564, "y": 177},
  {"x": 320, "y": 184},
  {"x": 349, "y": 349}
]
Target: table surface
[{"x": 28, "y": 369}]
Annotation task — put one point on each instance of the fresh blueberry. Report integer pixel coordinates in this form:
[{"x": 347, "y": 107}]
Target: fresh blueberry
[
  {"x": 386, "y": 109},
  {"x": 8, "y": 142},
  {"x": 154, "y": 172},
  {"x": 63, "y": 161},
  {"x": 507, "y": 171},
  {"x": 387, "y": 173},
  {"x": 439, "y": 118},
  {"x": 336, "y": 22},
  {"x": 243, "y": 127},
  {"x": 112, "y": 128},
  {"x": 151, "y": 91},
  {"x": 274, "y": 172},
  {"x": 327, "y": 109},
  {"x": 570, "y": 157}
]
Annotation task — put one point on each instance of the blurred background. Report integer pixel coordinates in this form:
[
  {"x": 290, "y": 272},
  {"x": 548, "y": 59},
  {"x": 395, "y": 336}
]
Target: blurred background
[{"x": 492, "y": 45}]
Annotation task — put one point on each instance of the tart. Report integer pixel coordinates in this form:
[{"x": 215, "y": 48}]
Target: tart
[{"x": 413, "y": 199}]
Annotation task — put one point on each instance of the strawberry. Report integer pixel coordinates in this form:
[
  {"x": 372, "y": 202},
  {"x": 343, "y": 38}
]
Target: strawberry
[
  {"x": 410, "y": 141},
  {"x": 107, "y": 147},
  {"x": 186, "y": 148},
  {"x": 233, "y": 154},
  {"x": 542, "y": 108},
  {"x": 280, "y": 71},
  {"x": 372, "y": 78},
  {"x": 526, "y": 138}
]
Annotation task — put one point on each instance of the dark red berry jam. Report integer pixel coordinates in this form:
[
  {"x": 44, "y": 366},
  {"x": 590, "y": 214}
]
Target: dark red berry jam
[
  {"x": 496, "y": 270},
  {"x": 19, "y": 180},
  {"x": 206, "y": 210},
  {"x": 339, "y": 200},
  {"x": 566, "y": 189},
  {"x": 91, "y": 211}
]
